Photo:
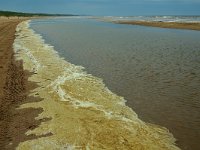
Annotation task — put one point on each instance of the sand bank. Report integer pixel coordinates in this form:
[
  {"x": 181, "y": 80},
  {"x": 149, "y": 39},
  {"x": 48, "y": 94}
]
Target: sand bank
[{"x": 175, "y": 25}]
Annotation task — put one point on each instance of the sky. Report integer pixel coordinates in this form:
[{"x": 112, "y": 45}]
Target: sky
[{"x": 105, "y": 7}]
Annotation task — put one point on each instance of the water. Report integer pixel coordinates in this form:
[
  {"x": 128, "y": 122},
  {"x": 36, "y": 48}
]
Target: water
[{"x": 156, "y": 70}]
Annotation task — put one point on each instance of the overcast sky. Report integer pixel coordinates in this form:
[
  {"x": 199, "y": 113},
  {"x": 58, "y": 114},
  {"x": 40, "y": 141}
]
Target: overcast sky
[{"x": 105, "y": 7}]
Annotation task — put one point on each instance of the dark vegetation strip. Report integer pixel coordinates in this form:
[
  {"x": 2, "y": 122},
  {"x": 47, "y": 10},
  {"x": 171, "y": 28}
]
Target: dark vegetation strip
[{"x": 21, "y": 14}]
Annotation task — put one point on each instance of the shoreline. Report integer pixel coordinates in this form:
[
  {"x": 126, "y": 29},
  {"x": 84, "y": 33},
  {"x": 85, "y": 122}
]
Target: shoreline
[
  {"x": 171, "y": 25},
  {"x": 84, "y": 106}
]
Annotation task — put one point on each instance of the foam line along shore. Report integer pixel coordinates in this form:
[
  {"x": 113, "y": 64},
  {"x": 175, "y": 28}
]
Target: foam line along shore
[{"x": 82, "y": 112}]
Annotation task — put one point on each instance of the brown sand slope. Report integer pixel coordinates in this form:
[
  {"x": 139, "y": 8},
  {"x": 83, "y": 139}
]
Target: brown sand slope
[
  {"x": 13, "y": 91},
  {"x": 175, "y": 25}
]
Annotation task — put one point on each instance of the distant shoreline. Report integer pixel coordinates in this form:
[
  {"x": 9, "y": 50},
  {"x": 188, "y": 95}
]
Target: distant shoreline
[{"x": 173, "y": 25}]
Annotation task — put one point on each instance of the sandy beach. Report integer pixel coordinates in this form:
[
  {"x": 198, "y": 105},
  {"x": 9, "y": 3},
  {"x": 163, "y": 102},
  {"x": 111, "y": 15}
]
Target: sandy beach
[
  {"x": 173, "y": 25},
  {"x": 14, "y": 89}
]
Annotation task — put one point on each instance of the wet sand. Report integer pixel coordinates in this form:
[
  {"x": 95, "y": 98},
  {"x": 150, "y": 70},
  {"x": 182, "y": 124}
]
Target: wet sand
[
  {"x": 174, "y": 25},
  {"x": 14, "y": 87}
]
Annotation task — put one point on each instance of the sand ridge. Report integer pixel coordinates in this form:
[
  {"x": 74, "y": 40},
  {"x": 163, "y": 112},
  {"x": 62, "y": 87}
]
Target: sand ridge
[{"x": 173, "y": 25}]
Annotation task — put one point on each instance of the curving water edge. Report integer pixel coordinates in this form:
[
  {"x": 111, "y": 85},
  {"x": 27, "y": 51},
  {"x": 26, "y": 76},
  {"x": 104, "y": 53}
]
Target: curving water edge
[{"x": 83, "y": 113}]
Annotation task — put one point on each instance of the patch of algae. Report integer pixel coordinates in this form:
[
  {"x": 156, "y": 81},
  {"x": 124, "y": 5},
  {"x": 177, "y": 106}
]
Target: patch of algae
[{"x": 84, "y": 113}]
